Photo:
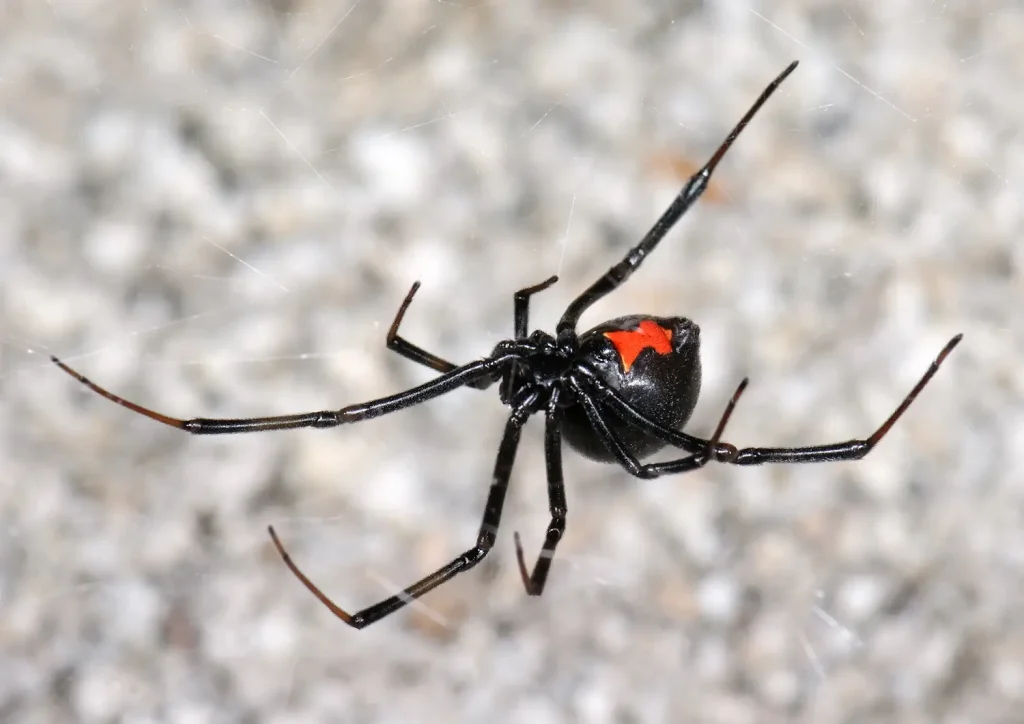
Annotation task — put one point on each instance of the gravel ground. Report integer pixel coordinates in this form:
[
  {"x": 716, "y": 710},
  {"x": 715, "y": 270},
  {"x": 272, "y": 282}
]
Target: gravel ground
[{"x": 214, "y": 207}]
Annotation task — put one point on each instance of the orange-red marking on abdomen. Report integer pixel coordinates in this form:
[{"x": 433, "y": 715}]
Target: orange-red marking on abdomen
[{"x": 630, "y": 343}]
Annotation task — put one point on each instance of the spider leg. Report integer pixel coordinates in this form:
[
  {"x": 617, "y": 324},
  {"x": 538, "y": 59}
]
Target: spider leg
[
  {"x": 653, "y": 470},
  {"x": 724, "y": 452},
  {"x": 689, "y": 194},
  {"x": 534, "y": 582},
  {"x": 521, "y": 306},
  {"x": 417, "y": 354},
  {"x": 521, "y": 322},
  {"x": 612, "y": 399},
  {"x": 849, "y": 450},
  {"x": 484, "y": 542},
  {"x": 460, "y": 376},
  {"x": 408, "y": 349}
]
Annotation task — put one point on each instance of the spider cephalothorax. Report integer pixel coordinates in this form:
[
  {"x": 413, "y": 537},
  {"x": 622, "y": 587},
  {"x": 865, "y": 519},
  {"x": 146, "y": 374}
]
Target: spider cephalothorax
[{"x": 616, "y": 393}]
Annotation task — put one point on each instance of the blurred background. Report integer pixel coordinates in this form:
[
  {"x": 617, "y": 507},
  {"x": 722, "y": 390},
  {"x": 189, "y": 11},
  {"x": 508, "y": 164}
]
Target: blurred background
[{"x": 214, "y": 208}]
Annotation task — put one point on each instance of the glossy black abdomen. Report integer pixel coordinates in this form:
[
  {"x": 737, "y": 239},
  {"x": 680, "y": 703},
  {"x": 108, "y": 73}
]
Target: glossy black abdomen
[{"x": 654, "y": 364}]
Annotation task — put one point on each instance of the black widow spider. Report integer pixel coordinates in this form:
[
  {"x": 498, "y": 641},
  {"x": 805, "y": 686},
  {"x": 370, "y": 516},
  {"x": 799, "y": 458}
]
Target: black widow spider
[{"x": 617, "y": 393}]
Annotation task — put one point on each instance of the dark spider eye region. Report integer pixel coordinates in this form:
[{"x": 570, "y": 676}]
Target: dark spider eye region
[
  {"x": 595, "y": 396},
  {"x": 629, "y": 343}
]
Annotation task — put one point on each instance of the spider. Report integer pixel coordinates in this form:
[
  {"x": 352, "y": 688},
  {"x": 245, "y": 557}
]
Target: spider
[{"x": 616, "y": 393}]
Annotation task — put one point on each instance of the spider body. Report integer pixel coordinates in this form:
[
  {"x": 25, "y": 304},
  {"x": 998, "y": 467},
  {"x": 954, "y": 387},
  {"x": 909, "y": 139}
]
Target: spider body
[
  {"x": 653, "y": 363},
  {"x": 616, "y": 393}
]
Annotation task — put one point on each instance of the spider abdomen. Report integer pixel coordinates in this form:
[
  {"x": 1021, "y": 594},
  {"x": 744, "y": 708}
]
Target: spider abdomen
[{"x": 654, "y": 365}]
